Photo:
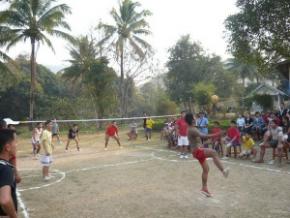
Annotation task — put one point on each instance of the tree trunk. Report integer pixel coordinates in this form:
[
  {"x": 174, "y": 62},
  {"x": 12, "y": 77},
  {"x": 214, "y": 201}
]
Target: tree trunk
[
  {"x": 33, "y": 80},
  {"x": 121, "y": 86}
]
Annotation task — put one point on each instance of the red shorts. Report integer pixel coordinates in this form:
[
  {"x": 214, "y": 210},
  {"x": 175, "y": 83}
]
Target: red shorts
[{"x": 199, "y": 155}]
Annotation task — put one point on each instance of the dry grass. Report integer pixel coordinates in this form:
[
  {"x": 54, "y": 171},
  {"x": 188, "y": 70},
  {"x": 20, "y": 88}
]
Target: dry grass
[{"x": 147, "y": 180}]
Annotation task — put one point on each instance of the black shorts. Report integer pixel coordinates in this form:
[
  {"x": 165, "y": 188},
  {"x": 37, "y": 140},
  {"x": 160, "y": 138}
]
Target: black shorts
[{"x": 273, "y": 143}]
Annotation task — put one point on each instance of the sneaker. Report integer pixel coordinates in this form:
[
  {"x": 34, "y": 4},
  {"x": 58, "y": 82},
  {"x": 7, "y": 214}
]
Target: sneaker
[
  {"x": 181, "y": 156},
  {"x": 226, "y": 172},
  {"x": 271, "y": 162},
  {"x": 66, "y": 150},
  {"x": 206, "y": 193},
  {"x": 46, "y": 178},
  {"x": 121, "y": 147},
  {"x": 178, "y": 154},
  {"x": 185, "y": 156},
  {"x": 105, "y": 149},
  {"x": 225, "y": 158}
]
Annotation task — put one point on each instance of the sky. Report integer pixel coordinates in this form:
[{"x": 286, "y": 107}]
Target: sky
[{"x": 202, "y": 19}]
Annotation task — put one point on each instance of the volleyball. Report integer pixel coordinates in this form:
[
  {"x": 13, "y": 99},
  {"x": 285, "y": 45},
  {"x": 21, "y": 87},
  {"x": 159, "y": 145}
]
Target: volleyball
[{"x": 214, "y": 99}]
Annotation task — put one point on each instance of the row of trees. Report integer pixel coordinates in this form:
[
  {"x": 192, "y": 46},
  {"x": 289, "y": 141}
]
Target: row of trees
[{"x": 91, "y": 87}]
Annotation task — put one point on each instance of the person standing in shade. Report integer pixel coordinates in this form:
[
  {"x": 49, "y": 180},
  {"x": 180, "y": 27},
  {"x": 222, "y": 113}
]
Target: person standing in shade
[
  {"x": 182, "y": 140},
  {"x": 112, "y": 132},
  {"x": 73, "y": 135},
  {"x": 55, "y": 131},
  {"x": 46, "y": 142},
  {"x": 8, "y": 199},
  {"x": 149, "y": 127}
]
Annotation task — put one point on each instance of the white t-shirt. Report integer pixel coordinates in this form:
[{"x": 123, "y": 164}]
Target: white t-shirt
[{"x": 241, "y": 122}]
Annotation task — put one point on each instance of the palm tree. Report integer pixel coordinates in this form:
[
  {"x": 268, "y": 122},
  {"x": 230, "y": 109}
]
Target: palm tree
[
  {"x": 34, "y": 20},
  {"x": 129, "y": 25},
  {"x": 83, "y": 54}
]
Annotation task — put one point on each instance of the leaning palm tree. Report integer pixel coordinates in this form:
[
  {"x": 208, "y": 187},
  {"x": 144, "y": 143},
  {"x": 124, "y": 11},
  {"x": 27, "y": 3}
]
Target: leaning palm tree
[
  {"x": 129, "y": 24},
  {"x": 34, "y": 20}
]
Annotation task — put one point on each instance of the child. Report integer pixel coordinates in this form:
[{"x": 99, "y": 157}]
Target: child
[
  {"x": 112, "y": 132},
  {"x": 73, "y": 134},
  {"x": 248, "y": 147},
  {"x": 217, "y": 140},
  {"x": 232, "y": 139}
]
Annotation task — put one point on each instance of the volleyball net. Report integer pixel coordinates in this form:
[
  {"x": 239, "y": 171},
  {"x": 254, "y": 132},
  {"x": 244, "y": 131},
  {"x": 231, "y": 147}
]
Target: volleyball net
[{"x": 95, "y": 124}]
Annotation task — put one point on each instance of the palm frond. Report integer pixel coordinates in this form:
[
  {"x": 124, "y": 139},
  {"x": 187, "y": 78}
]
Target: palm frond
[
  {"x": 14, "y": 41},
  {"x": 62, "y": 34},
  {"x": 143, "y": 43},
  {"x": 136, "y": 48},
  {"x": 55, "y": 11},
  {"x": 46, "y": 41}
]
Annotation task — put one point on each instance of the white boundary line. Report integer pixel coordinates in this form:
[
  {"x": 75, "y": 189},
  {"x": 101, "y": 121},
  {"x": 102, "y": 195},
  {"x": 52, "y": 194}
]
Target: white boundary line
[
  {"x": 63, "y": 175},
  {"x": 22, "y": 205}
]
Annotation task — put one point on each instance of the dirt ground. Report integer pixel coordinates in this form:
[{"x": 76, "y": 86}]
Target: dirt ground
[{"x": 146, "y": 180}]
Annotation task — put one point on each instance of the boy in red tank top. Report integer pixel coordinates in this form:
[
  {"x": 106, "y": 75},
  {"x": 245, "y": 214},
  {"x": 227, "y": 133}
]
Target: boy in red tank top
[{"x": 112, "y": 132}]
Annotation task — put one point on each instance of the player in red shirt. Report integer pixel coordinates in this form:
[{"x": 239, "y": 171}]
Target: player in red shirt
[
  {"x": 181, "y": 130},
  {"x": 232, "y": 139},
  {"x": 112, "y": 131}
]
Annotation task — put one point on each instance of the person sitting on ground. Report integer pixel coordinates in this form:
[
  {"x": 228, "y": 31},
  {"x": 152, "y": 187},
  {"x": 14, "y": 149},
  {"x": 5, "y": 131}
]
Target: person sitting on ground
[
  {"x": 133, "y": 131},
  {"x": 217, "y": 140},
  {"x": 273, "y": 138},
  {"x": 232, "y": 139},
  {"x": 241, "y": 123},
  {"x": 248, "y": 123},
  {"x": 201, "y": 154},
  {"x": 112, "y": 132},
  {"x": 73, "y": 134},
  {"x": 8, "y": 199},
  {"x": 248, "y": 144},
  {"x": 259, "y": 126}
]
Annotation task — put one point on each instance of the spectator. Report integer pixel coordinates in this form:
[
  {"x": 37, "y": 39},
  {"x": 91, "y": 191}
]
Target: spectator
[{"x": 8, "y": 199}]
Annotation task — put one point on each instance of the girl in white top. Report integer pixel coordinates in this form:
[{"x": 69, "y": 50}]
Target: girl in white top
[{"x": 36, "y": 134}]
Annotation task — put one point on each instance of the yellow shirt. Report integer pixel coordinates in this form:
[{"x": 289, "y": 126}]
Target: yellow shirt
[
  {"x": 46, "y": 141},
  {"x": 149, "y": 123},
  {"x": 248, "y": 143}
]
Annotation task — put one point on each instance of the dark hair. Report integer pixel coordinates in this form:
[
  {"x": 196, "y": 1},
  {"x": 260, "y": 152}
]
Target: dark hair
[
  {"x": 74, "y": 125},
  {"x": 183, "y": 111},
  {"x": 3, "y": 124},
  {"x": 6, "y": 136},
  {"x": 189, "y": 118},
  {"x": 47, "y": 122},
  {"x": 233, "y": 122}
]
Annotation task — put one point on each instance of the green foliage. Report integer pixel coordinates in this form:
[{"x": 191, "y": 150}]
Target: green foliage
[
  {"x": 266, "y": 101},
  {"x": 189, "y": 65},
  {"x": 202, "y": 92},
  {"x": 259, "y": 32}
]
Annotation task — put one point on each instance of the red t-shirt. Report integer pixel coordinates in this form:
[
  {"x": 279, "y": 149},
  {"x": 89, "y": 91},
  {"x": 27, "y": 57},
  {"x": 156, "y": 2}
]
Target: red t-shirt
[
  {"x": 216, "y": 130},
  {"x": 111, "y": 130},
  {"x": 233, "y": 132},
  {"x": 182, "y": 127}
]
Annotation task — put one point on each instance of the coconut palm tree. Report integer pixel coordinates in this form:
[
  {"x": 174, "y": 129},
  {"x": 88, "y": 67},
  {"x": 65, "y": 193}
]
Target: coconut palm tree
[
  {"x": 126, "y": 31},
  {"x": 34, "y": 20},
  {"x": 83, "y": 54}
]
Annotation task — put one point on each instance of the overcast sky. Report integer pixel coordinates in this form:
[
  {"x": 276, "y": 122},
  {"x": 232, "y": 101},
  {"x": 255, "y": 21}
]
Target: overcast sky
[{"x": 202, "y": 19}]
